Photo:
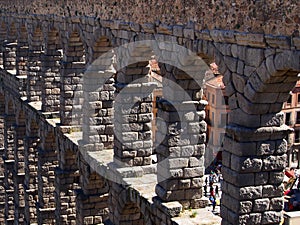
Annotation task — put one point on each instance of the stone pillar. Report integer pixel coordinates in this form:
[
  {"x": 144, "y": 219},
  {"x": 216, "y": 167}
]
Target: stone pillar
[
  {"x": 9, "y": 161},
  {"x": 181, "y": 154},
  {"x": 47, "y": 163},
  {"x": 51, "y": 78},
  {"x": 72, "y": 69},
  {"x": 98, "y": 114},
  {"x": 92, "y": 198},
  {"x": 253, "y": 164},
  {"x": 71, "y": 93},
  {"x": 22, "y": 57},
  {"x": 34, "y": 85},
  {"x": 19, "y": 171},
  {"x": 9, "y": 55},
  {"x": 66, "y": 182},
  {"x": 34, "y": 63},
  {"x": 181, "y": 136},
  {"x": 31, "y": 143},
  {"x": 133, "y": 116}
]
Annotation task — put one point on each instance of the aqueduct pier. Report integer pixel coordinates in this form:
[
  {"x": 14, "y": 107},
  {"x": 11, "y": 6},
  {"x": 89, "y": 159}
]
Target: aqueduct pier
[{"x": 54, "y": 170}]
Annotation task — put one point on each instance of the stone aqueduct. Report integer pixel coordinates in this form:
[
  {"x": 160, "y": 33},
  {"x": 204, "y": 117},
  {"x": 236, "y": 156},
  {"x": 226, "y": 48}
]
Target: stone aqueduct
[{"x": 46, "y": 178}]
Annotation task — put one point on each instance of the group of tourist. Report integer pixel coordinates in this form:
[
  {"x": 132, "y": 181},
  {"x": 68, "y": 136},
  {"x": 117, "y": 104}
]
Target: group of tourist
[
  {"x": 292, "y": 190},
  {"x": 211, "y": 186}
]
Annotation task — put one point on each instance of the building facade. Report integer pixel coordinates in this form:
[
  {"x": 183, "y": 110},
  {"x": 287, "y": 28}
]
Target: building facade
[
  {"x": 291, "y": 110},
  {"x": 217, "y": 116}
]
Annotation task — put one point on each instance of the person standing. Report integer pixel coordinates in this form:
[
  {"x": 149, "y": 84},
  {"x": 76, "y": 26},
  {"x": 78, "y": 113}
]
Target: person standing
[{"x": 213, "y": 202}]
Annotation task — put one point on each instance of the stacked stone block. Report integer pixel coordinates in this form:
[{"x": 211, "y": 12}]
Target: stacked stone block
[
  {"x": 181, "y": 138},
  {"x": 8, "y": 157},
  {"x": 181, "y": 155},
  {"x": 102, "y": 46},
  {"x": 34, "y": 65},
  {"x": 9, "y": 55},
  {"x": 133, "y": 116},
  {"x": 19, "y": 169},
  {"x": 72, "y": 69},
  {"x": 92, "y": 198},
  {"x": 51, "y": 74},
  {"x": 31, "y": 142},
  {"x": 22, "y": 52},
  {"x": 47, "y": 163},
  {"x": 122, "y": 209},
  {"x": 253, "y": 161},
  {"x": 66, "y": 182},
  {"x": 98, "y": 114}
]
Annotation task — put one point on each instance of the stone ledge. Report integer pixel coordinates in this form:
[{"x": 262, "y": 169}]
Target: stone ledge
[
  {"x": 172, "y": 209},
  {"x": 244, "y": 134}
]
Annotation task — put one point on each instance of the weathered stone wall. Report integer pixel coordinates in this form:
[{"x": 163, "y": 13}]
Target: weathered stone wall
[{"x": 267, "y": 16}]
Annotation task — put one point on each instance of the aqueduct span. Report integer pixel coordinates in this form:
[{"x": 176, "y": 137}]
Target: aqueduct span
[{"x": 56, "y": 170}]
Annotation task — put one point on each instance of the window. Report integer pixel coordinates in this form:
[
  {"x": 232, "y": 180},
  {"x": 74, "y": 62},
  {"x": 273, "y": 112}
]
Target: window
[
  {"x": 211, "y": 138},
  {"x": 208, "y": 96},
  {"x": 221, "y": 139},
  {"x": 289, "y": 101},
  {"x": 212, "y": 118},
  {"x": 288, "y": 118},
  {"x": 298, "y": 117},
  {"x": 223, "y": 121},
  {"x": 297, "y": 136},
  {"x": 298, "y": 98},
  {"x": 225, "y": 100},
  {"x": 207, "y": 117},
  {"x": 213, "y": 99},
  {"x": 295, "y": 155}
]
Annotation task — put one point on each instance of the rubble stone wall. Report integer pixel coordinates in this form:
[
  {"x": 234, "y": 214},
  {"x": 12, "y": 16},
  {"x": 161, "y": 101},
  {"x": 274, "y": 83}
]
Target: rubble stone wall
[{"x": 268, "y": 16}]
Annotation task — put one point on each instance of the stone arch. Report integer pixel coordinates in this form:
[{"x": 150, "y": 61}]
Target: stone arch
[
  {"x": 101, "y": 43},
  {"x": 75, "y": 48},
  {"x": 12, "y": 33},
  {"x": 131, "y": 212},
  {"x": 3, "y": 30},
  {"x": 126, "y": 210},
  {"x": 257, "y": 84},
  {"x": 10, "y": 106},
  {"x": 263, "y": 88}
]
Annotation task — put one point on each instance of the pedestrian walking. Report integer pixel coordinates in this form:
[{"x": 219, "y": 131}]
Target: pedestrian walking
[
  {"x": 217, "y": 190},
  {"x": 213, "y": 202}
]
